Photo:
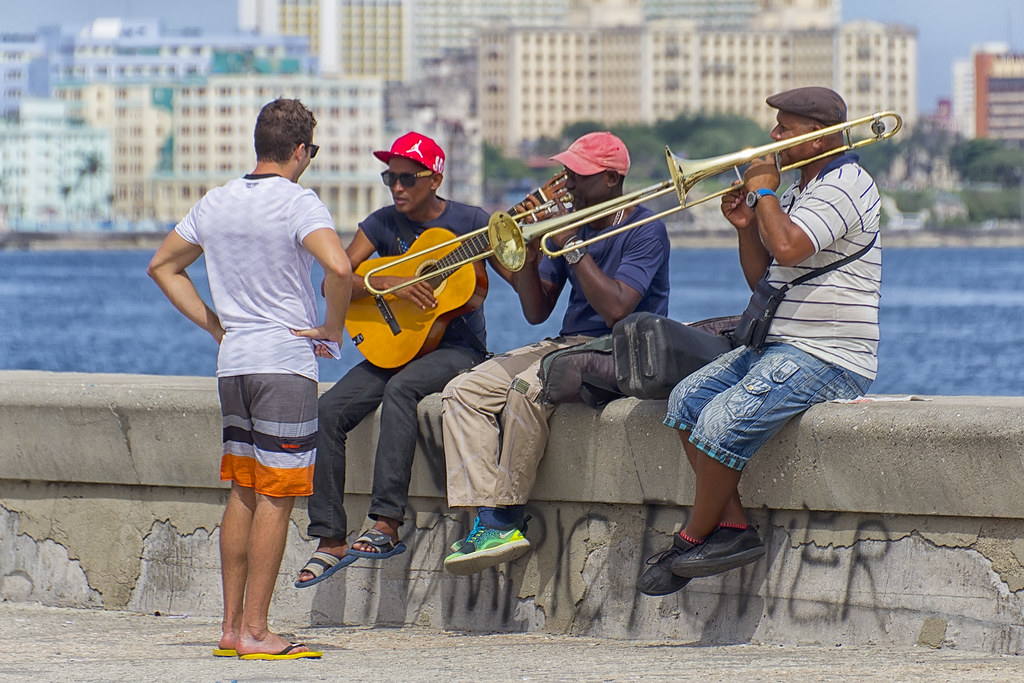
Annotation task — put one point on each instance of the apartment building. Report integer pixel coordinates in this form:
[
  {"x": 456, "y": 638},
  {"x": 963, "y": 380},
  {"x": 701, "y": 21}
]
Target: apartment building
[
  {"x": 23, "y": 71},
  {"x": 535, "y": 81},
  {"x": 138, "y": 117},
  {"x": 53, "y": 168},
  {"x": 120, "y": 50},
  {"x": 211, "y": 140}
]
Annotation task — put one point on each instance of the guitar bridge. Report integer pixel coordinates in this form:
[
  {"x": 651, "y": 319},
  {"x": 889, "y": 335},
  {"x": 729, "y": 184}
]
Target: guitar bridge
[{"x": 388, "y": 316}]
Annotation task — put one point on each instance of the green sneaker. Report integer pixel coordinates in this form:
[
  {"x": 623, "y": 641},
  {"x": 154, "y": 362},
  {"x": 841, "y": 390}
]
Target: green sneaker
[
  {"x": 485, "y": 547},
  {"x": 458, "y": 543}
]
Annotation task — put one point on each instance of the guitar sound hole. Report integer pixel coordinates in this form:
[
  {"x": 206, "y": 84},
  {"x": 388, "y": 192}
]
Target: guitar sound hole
[{"x": 429, "y": 267}]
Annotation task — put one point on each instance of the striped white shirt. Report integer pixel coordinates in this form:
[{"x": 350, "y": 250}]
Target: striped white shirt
[{"x": 834, "y": 316}]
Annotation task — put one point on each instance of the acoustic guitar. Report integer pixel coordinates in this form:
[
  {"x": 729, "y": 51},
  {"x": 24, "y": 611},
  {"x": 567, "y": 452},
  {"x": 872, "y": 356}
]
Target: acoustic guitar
[{"x": 391, "y": 331}]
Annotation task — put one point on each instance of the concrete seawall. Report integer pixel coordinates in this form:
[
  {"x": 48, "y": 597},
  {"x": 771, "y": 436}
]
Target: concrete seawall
[{"x": 887, "y": 523}]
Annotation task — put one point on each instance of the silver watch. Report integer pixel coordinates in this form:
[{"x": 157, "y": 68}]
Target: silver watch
[
  {"x": 755, "y": 196},
  {"x": 573, "y": 257}
]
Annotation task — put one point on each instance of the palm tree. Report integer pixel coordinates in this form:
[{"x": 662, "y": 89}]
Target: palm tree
[
  {"x": 92, "y": 166},
  {"x": 65, "y": 190},
  {"x": 3, "y": 205}
]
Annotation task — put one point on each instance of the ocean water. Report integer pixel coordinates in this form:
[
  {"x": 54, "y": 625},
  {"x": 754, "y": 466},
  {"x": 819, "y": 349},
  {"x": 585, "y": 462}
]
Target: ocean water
[{"x": 952, "y": 320}]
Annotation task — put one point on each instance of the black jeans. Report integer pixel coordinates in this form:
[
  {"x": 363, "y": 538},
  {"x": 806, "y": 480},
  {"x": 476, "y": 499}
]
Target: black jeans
[{"x": 344, "y": 406}]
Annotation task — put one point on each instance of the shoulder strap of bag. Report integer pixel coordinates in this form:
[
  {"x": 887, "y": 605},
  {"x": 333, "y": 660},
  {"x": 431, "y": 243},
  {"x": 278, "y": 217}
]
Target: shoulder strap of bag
[{"x": 832, "y": 266}]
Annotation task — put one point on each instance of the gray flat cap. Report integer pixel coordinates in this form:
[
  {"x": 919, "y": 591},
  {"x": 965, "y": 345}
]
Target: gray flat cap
[{"x": 821, "y": 104}]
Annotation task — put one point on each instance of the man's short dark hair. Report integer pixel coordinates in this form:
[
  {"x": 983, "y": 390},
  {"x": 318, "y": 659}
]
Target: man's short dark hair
[{"x": 281, "y": 126}]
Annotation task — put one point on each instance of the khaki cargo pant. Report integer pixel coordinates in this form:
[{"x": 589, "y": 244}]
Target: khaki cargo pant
[{"x": 495, "y": 427}]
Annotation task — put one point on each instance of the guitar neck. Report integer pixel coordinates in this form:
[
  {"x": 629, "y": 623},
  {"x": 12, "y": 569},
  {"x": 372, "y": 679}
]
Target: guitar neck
[{"x": 475, "y": 245}]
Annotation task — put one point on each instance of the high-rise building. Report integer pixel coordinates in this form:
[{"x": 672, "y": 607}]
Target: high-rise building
[
  {"x": 876, "y": 68},
  {"x": 963, "y": 95},
  {"x": 357, "y": 38},
  {"x": 999, "y": 96},
  {"x": 988, "y": 93},
  {"x": 441, "y": 27}
]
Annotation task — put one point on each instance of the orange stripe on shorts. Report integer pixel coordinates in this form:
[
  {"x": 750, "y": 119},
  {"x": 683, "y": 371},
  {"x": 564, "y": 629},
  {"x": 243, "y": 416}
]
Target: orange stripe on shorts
[{"x": 269, "y": 481}]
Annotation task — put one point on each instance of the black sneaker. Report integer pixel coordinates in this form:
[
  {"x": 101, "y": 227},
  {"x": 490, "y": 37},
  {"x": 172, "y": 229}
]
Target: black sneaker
[
  {"x": 659, "y": 579},
  {"x": 724, "y": 549}
]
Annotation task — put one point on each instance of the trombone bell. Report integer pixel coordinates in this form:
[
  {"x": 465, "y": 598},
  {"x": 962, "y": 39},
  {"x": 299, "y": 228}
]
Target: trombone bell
[{"x": 506, "y": 239}]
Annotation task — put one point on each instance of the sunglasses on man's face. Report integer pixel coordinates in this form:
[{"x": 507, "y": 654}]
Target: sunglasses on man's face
[
  {"x": 313, "y": 149},
  {"x": 407, "y": 179}
]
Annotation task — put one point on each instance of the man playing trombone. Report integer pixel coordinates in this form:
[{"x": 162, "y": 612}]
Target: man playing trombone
[
  {"x": 816, "y": 249},
  {"x": 494, "y": 421}
]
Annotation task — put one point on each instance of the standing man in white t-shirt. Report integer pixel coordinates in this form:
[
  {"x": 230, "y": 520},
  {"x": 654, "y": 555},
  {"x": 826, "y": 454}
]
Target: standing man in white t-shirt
[
  {"x": 260, "y": 235},
  {"x": 821, "y": 345}
]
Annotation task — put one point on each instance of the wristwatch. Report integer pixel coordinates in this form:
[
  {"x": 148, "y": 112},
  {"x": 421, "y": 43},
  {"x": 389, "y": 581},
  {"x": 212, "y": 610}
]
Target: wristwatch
[
  {"x": 573, "y": 257},
  {"x": 755, "y": 196}
]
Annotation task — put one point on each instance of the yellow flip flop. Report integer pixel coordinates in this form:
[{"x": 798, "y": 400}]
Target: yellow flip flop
[
  {"x": 224, "y": 652},
  {"x": 286, "y": 653}
]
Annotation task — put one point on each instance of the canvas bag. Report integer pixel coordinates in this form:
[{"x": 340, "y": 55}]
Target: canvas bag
[
  {"x": 653, "y": 353},
  {"x": 644, "y": 356}
]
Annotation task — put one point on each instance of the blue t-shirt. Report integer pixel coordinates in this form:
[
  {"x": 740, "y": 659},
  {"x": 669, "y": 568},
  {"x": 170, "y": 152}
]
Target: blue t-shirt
[
  {"x": 382, "y": 228},
  {"x": 636, "y": 257}
]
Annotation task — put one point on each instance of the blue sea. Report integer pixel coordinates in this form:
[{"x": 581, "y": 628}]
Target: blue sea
[{"x": 952, "y": 319}]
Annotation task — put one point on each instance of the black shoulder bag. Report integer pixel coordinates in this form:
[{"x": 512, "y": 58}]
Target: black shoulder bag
[{"x": 752, "y": 328}]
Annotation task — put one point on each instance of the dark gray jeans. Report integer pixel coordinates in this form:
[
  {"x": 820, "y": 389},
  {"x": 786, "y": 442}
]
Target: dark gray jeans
[{"x": 344, "y": 406}]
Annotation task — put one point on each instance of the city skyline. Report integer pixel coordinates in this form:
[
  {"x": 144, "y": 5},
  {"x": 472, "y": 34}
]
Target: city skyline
[{"x": 946, "y": 30}]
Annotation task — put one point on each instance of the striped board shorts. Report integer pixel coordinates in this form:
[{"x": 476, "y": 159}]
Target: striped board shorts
[{"x": 270, "y": 425}]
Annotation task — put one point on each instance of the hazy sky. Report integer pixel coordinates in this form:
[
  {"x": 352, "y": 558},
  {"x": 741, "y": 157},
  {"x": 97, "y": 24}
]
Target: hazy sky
[{"x": 946, "y": 28}]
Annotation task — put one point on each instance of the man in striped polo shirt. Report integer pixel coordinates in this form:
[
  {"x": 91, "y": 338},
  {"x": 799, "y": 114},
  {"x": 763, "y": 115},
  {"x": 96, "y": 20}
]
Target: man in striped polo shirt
[{"x": 821, "y": 345}]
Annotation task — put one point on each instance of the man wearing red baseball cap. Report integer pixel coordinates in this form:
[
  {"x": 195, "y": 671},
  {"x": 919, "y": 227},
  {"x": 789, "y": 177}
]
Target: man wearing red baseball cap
[
  {"x": 495, "y": 420},
  {"x": 417, "y": 148},
  {"x": 415, "y": 170},
  {"x": 595, "y": 152}
]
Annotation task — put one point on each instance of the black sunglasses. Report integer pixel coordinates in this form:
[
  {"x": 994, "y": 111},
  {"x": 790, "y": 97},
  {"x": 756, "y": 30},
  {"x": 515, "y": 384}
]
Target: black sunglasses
[
  {"x": 313, "y": 149},
  {"x": 407, "y": 179}
]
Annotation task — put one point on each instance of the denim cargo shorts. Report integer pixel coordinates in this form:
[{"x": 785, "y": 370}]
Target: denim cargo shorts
[{"x": 733, "y": 405}]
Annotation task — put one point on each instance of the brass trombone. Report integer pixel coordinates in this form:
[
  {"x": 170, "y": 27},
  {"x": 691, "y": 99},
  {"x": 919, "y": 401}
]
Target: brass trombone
[
  {"x": 686, "y": 174},
  {"x": 508, "y": 238}
]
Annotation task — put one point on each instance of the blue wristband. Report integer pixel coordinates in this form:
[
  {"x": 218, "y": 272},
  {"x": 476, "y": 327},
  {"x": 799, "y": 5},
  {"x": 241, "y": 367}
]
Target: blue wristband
[{"x": 764, "y": 192}]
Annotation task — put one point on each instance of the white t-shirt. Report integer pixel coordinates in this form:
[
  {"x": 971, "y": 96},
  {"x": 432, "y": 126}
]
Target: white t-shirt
[
  {"x": 834, "y": 316},
  {"x": 251, "y": 232}
]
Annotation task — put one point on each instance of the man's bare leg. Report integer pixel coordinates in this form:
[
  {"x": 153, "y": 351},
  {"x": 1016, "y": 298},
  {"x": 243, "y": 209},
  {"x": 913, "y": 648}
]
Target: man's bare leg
[
  {"x": 267, "y": 537},
  {"x": 716, "y": 498},
  {"x": 234, "y": 543}
]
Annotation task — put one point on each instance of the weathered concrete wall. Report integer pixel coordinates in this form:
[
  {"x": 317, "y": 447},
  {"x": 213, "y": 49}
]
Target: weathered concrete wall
[{"x": 887, "y": 523}]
